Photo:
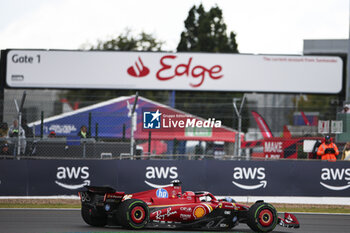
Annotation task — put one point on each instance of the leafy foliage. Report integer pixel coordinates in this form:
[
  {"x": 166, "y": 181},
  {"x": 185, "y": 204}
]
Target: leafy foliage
[
  {"x": 127, "y": 42},
  {"x": 206, "y": 32}
]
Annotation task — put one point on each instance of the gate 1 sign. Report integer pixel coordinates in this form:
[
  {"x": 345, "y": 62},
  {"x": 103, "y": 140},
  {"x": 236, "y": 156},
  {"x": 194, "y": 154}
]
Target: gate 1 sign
[{"x": 173, "y": 71}]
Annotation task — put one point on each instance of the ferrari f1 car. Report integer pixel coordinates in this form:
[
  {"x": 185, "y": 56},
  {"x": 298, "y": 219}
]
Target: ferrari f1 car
[{"x": 168, "y": 207}]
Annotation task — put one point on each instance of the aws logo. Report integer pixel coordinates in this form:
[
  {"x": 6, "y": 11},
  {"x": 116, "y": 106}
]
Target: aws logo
[
  {"x": 335, "y": 174},
  {"x": 70, "y": 175},
  {"x": 249, "y": 173},
  {"x": 160, "y": 173}
]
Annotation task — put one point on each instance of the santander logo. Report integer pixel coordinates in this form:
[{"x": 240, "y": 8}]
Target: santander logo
[
  {"x": 171, "y": 68},
  {"x": 139, "y": 70}
]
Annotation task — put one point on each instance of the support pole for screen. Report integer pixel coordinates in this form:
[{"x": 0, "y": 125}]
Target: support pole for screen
[
  {"x": 149, "y": 143},
  {"x": 41, "y": 125},
  {"x": 19, "y": 113},
  {"x": 132, "y": 139},
  {"x": 238, "y": 150}
]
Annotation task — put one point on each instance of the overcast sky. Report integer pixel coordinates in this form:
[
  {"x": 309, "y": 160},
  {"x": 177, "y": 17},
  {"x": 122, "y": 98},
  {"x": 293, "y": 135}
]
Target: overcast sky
[{"x": 262, "y": 26}]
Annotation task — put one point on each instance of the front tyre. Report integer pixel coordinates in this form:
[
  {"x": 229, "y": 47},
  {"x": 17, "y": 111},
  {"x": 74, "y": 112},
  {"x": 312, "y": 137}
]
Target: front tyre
[
  {"x": 133, "y": 214},
  {"x": 262, "y": 217},
  {"x": 92, "y": 217}
]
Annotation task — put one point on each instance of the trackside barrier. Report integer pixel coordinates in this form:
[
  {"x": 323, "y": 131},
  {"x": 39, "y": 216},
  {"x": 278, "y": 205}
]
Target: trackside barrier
[{"x": 233, "y": 178}]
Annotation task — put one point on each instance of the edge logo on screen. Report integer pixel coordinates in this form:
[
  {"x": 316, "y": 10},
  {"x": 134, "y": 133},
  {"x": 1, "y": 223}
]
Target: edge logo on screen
[{"x": 172, "y": 68}]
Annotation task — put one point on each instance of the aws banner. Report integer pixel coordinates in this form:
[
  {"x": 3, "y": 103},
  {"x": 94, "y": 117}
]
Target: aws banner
[{"x": 254, "y": 178}]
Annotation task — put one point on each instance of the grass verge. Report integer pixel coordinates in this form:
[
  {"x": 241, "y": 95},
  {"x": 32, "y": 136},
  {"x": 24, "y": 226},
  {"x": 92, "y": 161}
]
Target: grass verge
[
  {"x": 334, "y": 209},
  {"x": 39, "y": 203}
]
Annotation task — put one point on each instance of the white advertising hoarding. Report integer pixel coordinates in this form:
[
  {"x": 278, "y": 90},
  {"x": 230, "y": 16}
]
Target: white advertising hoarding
[{"x": 173, "y": 71}]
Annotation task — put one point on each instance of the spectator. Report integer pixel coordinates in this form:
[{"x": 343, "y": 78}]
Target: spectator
[
  {"x": 346, "y": 152},
  {"x": 83, "y": 132},
  {"x": 4, "y": 147},
  {"x": 28, "y": 131},
  {"x": 328, "y": 150},
  {"x": 4, "y": 129},
  {"x": 52, "y": 134},
  {"x": 13, "y": 133},
  {"x": 29, "y": 137},
  {"x": 346, "y": 108}
]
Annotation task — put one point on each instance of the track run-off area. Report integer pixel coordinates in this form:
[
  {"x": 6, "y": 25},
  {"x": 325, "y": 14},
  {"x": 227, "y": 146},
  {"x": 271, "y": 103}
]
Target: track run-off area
[{"x": 69, "y": 220}]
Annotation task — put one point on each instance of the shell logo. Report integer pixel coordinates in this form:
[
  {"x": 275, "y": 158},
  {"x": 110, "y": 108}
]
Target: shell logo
[{"x": 199, "y": 212}]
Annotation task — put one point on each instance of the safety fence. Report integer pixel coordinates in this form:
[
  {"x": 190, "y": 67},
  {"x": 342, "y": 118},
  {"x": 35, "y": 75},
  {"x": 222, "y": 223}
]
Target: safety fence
[
  {"x": 268, "y": 126},
  {"x": 234, "y": 178}
]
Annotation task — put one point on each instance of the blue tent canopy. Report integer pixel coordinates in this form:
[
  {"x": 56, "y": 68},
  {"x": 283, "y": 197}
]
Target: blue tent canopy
[{"x": 111, "y": 116}]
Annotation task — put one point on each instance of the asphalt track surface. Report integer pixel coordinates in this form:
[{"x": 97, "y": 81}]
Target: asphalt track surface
[{"x": 58, "y": 221}]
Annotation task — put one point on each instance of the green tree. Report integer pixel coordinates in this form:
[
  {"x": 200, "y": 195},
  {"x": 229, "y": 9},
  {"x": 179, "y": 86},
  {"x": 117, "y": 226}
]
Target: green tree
[
  {"x": 127, "y": 42},
  {"x": 205, "y": 31}
]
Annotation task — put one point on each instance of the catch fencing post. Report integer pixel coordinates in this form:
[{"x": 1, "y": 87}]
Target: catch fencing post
[
  {"x": 149, "y": 142},
  {"x": 89, "y": 130},
  {"x": 132, "y": 139},
  {"x": 123, "y": 132},
  {"x": 19, "y": 111},
  {"x": 96, "y": 131},
  {"x": 42, "y": 125},
  {"x": 238, "y": 150}
]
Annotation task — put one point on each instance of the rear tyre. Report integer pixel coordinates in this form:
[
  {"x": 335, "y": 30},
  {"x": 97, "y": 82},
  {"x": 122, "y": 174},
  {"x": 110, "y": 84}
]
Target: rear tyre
[
  {"x": 262, "y": 217},
  {"x": 133, "y": 214},
  {"x": 93, "y": 217}
]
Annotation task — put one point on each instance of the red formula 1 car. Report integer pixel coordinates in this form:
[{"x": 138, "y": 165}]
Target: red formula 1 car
[{"x": 168, "y": 207}]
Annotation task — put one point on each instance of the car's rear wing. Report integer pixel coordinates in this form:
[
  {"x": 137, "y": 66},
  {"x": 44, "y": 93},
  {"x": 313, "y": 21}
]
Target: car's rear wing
[
  {"x": 101, "y": 194},
  {"x": 101, "y": 189}
]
